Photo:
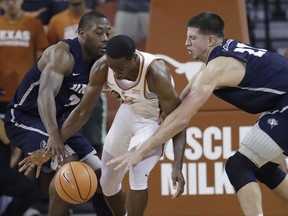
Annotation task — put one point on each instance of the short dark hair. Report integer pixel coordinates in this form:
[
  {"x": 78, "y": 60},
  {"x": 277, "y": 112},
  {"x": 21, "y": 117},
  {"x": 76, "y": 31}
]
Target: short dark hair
[
  {"x": 120, "y": 46},
  {"x": 88, "y": 18},
  {"x": 208, "y": 23}
]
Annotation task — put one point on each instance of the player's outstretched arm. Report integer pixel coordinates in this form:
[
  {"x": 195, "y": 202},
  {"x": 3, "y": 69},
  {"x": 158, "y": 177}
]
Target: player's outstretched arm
[
  {"x": 80, "y": 115},
  {"x": 55, "y": 64}
]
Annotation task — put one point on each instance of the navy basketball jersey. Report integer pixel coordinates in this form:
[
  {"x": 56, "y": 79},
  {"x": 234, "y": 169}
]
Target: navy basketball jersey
[
  {"x": 265, "y": 84},
  {"x": 70, "y": 93}
]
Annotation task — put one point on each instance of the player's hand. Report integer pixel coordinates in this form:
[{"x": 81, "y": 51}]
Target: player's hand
[
  {"x": 125, "y": 161},
  {"x": 178, "y": 182},
  {"x": 56, "y": 147},
  {"x": 36, "y": 158}
]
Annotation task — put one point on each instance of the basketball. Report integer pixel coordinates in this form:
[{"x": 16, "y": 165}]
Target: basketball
[{"x": 76, "y": 182}]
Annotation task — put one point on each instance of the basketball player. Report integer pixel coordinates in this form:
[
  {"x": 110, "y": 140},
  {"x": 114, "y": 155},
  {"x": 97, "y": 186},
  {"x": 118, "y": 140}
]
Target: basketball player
[
  {"x": 49, "y": 91},
  {"x": 64, "y": 25},
  {"x": 254, "y": 80},
  {"x": 144, "y": 84}
]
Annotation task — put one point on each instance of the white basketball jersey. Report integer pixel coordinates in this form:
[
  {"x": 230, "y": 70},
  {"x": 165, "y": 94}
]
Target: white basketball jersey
[{"x": 136, "y": 93}]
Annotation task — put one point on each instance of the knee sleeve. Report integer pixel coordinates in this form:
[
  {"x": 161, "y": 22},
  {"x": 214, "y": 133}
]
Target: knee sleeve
[
  {"x": 240, "y": 171},
  {"x": 270, "y": 175},
  {"x": 94, "y": 162}
]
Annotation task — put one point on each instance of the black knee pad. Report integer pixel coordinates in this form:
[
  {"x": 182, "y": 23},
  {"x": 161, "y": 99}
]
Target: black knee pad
[
  {"x": 240, "y": 170},
  {"x": 270, "y": 175}
]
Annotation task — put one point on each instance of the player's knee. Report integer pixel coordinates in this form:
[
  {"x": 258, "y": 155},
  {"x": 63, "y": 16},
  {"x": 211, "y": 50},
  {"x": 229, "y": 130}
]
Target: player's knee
[
  {"x": 270, "y": 175},
  {"x": 109, "y": 186},
  {"x": 240, "y": 171}
]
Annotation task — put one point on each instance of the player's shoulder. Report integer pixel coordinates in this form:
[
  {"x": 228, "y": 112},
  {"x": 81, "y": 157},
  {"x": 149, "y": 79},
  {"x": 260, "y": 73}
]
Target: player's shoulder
[
  {"x": 62, "y": 46},
  {"x": 60, "y": 50},
  {"x": 58, "y": 56},
  {"x": 101, "y": 63},
  {"x": 99, "y": 70},
  {"x": 158, "y": 64},
  {"x": 221, "y": 62},
  {"x": 149, "y": 59},
  {"x": 146, "y": 55}
]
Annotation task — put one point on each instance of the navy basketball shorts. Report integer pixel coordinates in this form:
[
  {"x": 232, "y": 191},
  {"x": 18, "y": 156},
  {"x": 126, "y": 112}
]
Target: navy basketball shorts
[
  {"x": 275, "y": 125},
  {"x": 29, "y": 134}
]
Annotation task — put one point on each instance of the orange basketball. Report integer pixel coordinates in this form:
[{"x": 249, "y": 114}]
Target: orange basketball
[{"x": 76, "y": 182}]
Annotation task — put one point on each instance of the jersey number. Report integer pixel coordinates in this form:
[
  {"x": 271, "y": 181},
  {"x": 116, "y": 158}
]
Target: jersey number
[
  {"x": 251, "y": 50},
  {"x": 74, "y": 100}
]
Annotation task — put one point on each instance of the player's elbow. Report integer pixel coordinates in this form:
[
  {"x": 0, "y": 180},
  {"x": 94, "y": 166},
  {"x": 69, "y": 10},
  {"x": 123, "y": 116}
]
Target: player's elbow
[{"x": 80, "y": 113}]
